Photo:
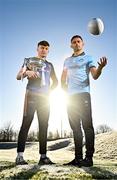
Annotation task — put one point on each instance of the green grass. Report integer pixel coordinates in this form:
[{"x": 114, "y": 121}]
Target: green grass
[{"x": 100, "y": 170}]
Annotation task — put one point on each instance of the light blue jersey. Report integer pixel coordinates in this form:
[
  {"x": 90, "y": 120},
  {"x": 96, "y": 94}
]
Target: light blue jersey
[{"x": 78, "y": 68}]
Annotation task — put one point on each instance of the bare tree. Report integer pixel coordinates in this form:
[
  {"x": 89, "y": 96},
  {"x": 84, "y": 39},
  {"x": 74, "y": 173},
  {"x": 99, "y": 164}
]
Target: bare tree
[
  {"x": 103, "y": 128},
  {"x": 7, "y": 133}
]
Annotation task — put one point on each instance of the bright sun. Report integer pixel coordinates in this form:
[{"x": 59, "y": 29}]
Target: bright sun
[
  {"x": 58, "y": 113},
  {"x": 58, "y": 98}
]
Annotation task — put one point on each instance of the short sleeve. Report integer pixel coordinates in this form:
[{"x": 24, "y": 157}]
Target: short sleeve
[
  {"x": 91, "y": 62},
  {"x": 52, "y": 74},
  {"x": 25, "y": 62}
]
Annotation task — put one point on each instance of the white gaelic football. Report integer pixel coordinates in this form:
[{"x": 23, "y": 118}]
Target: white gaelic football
[{"x": 96, "y": 26}]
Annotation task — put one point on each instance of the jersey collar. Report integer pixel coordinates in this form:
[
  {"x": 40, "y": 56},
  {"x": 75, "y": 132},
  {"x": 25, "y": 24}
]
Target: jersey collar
[{"x": 83, "y": 53}]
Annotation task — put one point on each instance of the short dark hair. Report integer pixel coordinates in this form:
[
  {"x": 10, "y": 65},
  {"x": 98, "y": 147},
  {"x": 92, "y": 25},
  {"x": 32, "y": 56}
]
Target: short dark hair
[
  {"x": 76, "y": 36},
  {"x": 43, "y": 43}
]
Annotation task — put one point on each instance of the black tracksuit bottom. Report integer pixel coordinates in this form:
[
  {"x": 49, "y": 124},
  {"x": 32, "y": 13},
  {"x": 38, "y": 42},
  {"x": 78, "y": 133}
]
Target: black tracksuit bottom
[
  {"x": 40, "y": 104},
  {"x": 79, "y": 113}
]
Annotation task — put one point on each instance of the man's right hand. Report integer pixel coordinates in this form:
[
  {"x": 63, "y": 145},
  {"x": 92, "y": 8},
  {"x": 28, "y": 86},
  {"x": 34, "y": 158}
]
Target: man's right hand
[{"x": 31, "y": 74}]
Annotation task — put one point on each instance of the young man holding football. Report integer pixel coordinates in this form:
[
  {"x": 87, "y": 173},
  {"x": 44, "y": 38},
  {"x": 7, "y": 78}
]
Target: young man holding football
[{"x": 75, "y": 80}]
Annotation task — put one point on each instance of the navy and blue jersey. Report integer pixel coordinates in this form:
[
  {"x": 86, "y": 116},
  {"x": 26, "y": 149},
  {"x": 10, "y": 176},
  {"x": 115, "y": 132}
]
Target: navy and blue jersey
[
  {"x": 78, "y": 68},
  {"x": 35, "y": 85}
]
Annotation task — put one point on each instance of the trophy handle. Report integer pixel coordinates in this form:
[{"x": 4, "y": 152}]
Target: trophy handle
[{"x": 43, "y": 81}]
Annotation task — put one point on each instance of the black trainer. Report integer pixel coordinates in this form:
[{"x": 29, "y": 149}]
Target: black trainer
[
  {"x": 87, "y": 162},
  {"x": 75, "y": 162},
  {"x": 20, "y": 161},
  {"x": 45, "y": 161}
]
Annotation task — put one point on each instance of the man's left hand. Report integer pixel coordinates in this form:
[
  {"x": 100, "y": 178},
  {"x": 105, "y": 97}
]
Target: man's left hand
[{"x": 102, "y": 62}]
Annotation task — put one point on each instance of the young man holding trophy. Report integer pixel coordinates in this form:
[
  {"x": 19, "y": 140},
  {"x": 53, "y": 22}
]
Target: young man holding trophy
[{"x": 38, "y": 72}]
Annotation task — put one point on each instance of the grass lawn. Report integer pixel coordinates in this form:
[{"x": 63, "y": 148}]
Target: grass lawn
[{"x": 100, "y": 170}]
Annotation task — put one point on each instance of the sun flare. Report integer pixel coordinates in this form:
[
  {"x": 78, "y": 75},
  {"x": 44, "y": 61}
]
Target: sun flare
[
  {"x": 58, "y": 112},
  {"x": 58, "y": 98}
]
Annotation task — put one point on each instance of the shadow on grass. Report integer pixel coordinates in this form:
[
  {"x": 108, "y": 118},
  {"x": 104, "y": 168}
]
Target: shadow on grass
[
  {"x": 100, "y": 173},
  {"x": 11, "y": 145},
  {"x": 29, "y": 173},
  {"x": 6, "y": 165},
  {"x": 59, "y": 145}
]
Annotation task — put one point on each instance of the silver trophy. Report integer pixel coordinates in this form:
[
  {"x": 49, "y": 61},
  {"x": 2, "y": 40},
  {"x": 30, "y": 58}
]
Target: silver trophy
[{"x": 38, "y": 66}]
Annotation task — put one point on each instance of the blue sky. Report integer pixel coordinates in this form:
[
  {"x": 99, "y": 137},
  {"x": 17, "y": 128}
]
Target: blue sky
[{"x": 25, "y": 22}]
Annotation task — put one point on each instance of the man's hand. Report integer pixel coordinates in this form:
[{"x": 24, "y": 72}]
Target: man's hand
[
  {"x": 31, "y": 74},
  {"x": 103, "y": 62},
  {"x": 97, "y": 72}
]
